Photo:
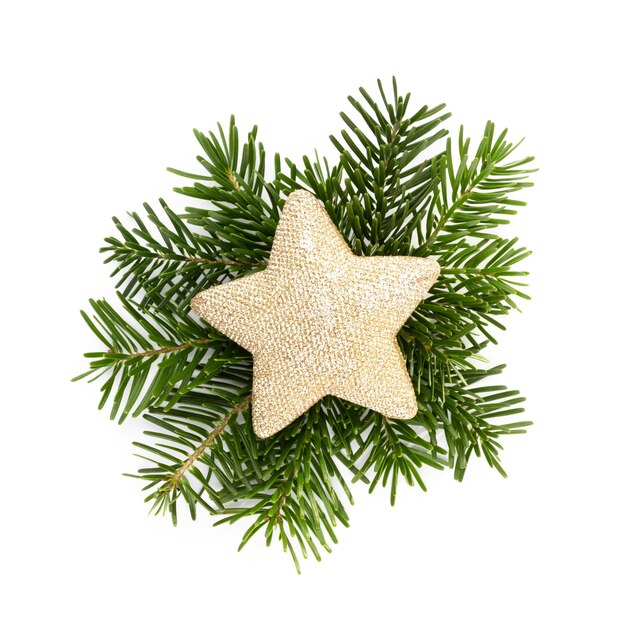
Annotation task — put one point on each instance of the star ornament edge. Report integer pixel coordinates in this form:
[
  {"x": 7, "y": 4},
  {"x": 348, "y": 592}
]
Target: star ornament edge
[{"x": 320, "y": 320}]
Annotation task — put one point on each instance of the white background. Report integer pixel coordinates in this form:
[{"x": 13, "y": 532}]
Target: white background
[{"x": 99, "y": 97}]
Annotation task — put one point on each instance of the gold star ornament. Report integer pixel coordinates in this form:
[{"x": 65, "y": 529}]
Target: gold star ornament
[{"x": 320, "y": 320}]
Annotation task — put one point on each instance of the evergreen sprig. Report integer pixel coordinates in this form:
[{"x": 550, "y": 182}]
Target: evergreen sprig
[{"x": 388, "y": 192}]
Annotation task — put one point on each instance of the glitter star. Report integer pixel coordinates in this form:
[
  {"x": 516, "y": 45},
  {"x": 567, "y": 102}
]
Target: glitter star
[{"x": 320, "y": 320}]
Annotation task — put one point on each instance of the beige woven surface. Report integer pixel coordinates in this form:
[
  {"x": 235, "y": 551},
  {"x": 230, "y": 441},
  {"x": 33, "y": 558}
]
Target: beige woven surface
[{"x": 320, "y": 320}]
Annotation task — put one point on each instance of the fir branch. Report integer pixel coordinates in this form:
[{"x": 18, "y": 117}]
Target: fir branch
[
  {"x": 183, "y": 355},
  {"x": 174, "y": 481},
  {"x": 192, "y": 385},
  {"x": 167, "y": 265},
  {"x": 393, "y": 449},
  {"x": 385, "y": 188},
  {"x": 473, "y": 197},
  {"x": 245, "y": 207},
  {"x": 184, "y": 434},
  {"x": 296, "y": 499}
]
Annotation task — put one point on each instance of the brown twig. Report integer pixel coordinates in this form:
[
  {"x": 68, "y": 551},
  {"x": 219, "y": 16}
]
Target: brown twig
[
  {"x": 168, "y": 350},
  {"x": 174, "y": 479},
  {"x": 222, "y": 261}
]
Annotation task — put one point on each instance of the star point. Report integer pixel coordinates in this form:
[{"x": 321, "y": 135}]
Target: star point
[{"x": 320, "y": 321}]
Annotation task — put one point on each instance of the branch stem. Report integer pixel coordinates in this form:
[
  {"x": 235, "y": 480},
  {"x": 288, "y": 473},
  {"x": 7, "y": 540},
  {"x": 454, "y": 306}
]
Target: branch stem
[
  {"x": 185, "y": 259},
  {"x": 169, "y": 350},
  {"x": 223, "y": 261},
  {"x": 173, "y": 481},
  {"x": 447, "y": 214}
]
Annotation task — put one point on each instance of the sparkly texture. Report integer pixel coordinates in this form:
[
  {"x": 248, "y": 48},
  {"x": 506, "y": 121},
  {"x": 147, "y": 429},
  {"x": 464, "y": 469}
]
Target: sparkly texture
[{"x": 320, "y": 320}]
